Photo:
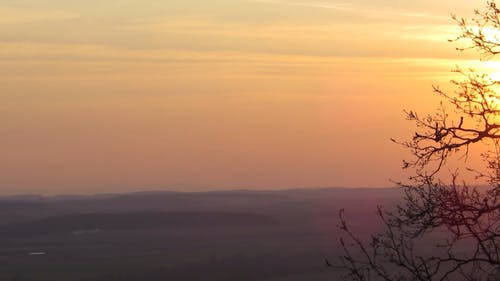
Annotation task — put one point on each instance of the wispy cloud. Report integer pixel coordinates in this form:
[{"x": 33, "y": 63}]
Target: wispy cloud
[
  {"x": 367, "y": 11},
  {"x": 426, "y": 32},
  {"x": 14, "y": 15},
  {"x": 313, "y": 4},
  {"x": 314, "y": 38}
]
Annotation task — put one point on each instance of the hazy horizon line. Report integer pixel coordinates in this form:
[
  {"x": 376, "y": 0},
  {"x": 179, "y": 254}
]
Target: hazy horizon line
[{"x": 154, "y": 191}]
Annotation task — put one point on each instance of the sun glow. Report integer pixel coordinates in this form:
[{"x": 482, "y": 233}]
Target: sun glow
[{"x": 492, "y": 68}]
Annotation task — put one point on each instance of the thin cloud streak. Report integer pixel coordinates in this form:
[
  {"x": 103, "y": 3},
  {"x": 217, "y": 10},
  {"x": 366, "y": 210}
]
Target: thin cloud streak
[
  {"x": 333, "y": 6},
  {"x": 17, "y": 16},
  {"x": 365, "y": 11}
]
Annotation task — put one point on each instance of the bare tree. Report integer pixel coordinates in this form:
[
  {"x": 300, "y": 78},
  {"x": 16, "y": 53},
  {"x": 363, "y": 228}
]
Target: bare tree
[{"x": 444, "y": 230}]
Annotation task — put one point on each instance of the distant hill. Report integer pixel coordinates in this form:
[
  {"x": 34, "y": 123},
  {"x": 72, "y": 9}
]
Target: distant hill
[{"x": 22, "y": 208}]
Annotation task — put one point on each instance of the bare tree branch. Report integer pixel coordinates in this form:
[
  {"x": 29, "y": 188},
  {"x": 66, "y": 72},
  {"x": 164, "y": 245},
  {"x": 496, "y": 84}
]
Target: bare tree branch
[{"x": 443, "y": 231}]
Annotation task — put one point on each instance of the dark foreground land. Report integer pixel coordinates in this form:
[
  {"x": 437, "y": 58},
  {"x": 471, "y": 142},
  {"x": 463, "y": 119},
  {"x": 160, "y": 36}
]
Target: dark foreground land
[{"x": 231, "y": 235}]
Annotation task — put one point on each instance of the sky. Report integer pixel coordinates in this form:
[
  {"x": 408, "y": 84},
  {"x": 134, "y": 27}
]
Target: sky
[{"x": 130, "y": 95}]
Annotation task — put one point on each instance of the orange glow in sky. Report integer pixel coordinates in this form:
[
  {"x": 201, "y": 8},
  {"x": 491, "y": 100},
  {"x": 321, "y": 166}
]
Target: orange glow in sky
[{"x": 104, "y": 96}]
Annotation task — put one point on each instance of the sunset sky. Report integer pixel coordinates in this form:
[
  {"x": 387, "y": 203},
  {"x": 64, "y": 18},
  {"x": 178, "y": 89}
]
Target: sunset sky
[{"x": 128, "y": 95}]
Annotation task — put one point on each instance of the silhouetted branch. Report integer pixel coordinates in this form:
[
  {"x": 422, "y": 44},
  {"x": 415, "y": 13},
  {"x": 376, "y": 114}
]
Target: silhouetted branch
[{"x": 443, "y": 231}]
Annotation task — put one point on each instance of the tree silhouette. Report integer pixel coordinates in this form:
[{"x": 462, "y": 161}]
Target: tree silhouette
[{"x": 444, "y": 230}]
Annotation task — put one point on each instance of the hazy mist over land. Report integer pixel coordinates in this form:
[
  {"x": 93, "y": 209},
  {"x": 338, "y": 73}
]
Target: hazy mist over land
[{"x": 226, "y": 235}]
